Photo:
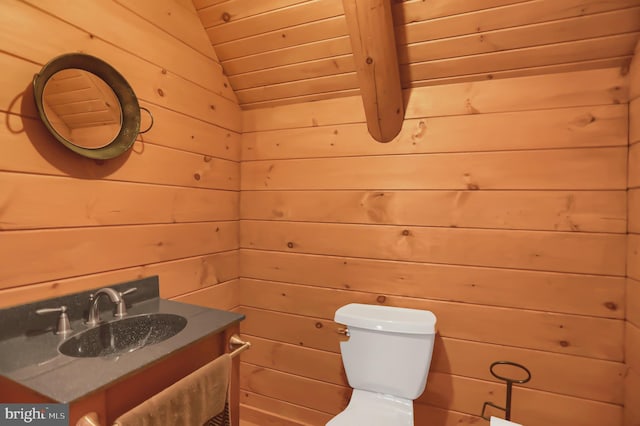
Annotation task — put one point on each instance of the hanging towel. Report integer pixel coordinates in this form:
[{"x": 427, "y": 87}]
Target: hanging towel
[
  {"x": 191, "y": 401},
  {"x": 89, "y": 419}
]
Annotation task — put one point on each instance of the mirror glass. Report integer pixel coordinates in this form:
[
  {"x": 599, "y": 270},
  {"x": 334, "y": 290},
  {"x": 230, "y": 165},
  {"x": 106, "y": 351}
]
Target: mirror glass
[{"x": 82, "y": 108}]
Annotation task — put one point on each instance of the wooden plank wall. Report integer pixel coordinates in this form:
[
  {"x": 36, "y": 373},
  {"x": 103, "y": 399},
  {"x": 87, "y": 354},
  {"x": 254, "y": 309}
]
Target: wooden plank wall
[
  {"x": 168, "y": 207},
  {"x": 632, "y": 341},
  {"x": 501, "y": 207}
]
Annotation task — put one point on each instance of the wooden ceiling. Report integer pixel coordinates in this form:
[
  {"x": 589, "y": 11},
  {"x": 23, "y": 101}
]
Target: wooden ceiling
[{"x": 286, "y": 51}]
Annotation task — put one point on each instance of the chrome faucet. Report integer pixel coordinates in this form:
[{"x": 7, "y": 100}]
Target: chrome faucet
[{"x": 116, "y": 298}]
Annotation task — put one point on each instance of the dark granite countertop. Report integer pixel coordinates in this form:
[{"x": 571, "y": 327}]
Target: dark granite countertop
[{"x": 30, "y": 357}]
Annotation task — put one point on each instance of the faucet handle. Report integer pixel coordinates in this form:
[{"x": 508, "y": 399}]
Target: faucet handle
[
  {"x": 64, "y": 327},
  {"x": 129, "y": 291},
  {"x": 121, "y": 308}
]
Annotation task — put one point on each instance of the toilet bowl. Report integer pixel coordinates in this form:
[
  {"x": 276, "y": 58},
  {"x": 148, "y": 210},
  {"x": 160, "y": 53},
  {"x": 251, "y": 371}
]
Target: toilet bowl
[{"x": 386, "y": 359}]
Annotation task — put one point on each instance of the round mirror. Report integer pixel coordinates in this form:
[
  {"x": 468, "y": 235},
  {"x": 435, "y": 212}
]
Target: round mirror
[
  {"x": 82, "y": 108},
  {"x": 87, "y": 105}
]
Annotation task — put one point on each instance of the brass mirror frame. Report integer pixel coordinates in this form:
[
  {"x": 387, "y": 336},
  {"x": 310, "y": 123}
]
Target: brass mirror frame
[{"x": 123, "y": 91}]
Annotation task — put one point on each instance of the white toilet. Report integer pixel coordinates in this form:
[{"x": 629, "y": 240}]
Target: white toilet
[{"x": 386, "y": 358}]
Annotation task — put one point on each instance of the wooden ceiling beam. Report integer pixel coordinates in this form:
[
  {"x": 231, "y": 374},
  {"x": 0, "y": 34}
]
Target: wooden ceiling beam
[{"x": 370, "y": 24}]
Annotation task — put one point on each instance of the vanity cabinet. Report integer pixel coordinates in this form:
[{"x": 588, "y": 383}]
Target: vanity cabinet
[
  {"x": 127, "y": 392},
  {"x": 133, "y": 362}
]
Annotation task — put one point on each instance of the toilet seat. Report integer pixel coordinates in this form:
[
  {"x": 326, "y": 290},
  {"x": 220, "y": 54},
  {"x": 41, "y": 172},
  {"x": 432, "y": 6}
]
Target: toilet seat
[{"x": 375, "y": 409}]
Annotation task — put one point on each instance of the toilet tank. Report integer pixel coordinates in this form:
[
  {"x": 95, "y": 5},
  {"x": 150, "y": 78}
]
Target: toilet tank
[{"x": 389, "y": 349}]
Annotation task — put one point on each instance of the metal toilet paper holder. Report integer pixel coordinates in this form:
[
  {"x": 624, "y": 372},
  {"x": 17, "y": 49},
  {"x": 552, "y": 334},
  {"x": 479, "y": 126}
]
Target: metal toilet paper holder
[{"x": 510, "y": 382}]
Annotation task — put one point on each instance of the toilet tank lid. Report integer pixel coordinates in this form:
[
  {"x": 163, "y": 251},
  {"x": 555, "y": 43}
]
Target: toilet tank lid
[{"x": 387, "y": 318}]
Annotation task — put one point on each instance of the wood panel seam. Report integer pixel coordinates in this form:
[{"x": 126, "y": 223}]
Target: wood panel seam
[{"x": 384, "y": 294}]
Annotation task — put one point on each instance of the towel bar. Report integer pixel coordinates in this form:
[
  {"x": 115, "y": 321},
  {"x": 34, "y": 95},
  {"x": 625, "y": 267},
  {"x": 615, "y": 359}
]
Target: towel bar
[{"x": 234, "y": 341}]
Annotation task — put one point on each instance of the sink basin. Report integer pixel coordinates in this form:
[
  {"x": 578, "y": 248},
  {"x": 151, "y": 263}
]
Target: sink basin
[{"x": 123, "y": 336}]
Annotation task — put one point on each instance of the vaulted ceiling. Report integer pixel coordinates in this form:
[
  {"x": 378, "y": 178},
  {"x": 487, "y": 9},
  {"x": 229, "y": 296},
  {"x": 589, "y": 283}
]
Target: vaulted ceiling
[{"x": 285, "y": 51}]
